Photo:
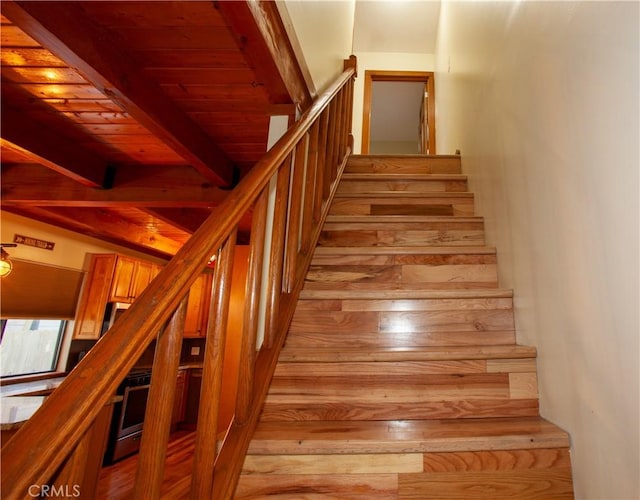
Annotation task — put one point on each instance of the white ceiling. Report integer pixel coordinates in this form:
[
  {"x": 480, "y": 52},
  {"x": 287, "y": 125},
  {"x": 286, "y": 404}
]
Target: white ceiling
[{"x": 396, "y": 26}]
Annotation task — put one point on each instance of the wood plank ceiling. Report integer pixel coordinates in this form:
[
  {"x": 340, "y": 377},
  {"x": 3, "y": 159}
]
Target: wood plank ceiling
[{"x": 130, "y": 121}]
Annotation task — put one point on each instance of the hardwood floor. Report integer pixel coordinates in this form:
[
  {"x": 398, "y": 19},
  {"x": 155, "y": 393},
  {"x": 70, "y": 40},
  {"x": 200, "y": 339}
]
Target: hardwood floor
[{"x": 116, "y": 481}]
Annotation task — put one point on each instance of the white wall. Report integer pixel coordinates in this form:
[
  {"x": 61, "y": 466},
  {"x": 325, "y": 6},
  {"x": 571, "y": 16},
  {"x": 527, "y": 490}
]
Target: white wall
[
  {"x": 324, "y": 30},
  {"x": 542, "y": 100},
  {"x": 70, "y": 248}
]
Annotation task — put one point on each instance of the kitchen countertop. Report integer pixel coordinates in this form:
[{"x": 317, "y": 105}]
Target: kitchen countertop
[
  {"x": 18, "y": 402},
  {"x": 35, "y": 388},
  {"x": 16, "y": 410}
]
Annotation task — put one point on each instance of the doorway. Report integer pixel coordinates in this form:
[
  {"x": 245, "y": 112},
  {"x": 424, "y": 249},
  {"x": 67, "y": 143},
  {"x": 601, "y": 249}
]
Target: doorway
[{"x": 398, "y": 113}]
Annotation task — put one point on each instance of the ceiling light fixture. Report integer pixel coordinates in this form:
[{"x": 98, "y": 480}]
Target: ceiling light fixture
[{"x": 6, "y": 266}]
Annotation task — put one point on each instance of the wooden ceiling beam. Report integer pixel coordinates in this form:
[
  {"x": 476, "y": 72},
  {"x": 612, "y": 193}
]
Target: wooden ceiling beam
[
  {"x": 104, "y": 225},
  {"x": 43, "y": 145},
  {"x": 139, "y": 186},
  {"x": 99, "y": 57},
  {"x": 261, "y": 35}
]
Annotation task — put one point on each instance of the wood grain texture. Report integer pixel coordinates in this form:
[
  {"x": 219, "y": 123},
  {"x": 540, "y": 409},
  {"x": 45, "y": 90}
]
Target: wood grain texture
[
  {"x": 401, "y": 343},
  {"x": 497, "y": 460},
  {"x": 314, "y": 486},
  {"x": 445, "y": 409},
  {"x": 401, "y": 436},
  {"x": 404, "y": 164},
  {"x": 529, "y": 484}
]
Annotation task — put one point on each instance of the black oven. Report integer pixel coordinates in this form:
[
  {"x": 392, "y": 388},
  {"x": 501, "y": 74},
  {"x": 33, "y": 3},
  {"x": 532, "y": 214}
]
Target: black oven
[{"x": 128, "y": 416}]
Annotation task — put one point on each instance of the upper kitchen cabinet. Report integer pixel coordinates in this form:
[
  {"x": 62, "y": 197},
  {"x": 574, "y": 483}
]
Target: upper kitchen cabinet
[
  {"x": 94, "y": 297},
  {"x": 130, "y": 278},
  {"x": 110, "y": 278}
]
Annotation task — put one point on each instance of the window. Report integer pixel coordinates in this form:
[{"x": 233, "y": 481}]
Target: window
[{"x": 30, "y": 346}]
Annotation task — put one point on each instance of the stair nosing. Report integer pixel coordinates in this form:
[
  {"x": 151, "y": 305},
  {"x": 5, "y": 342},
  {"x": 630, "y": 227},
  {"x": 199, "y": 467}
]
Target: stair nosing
[
  {"x": 451, "y": 353},
  {"x": 307, "y": 294},
  {"x": 400, "y": 176},
  {"x": 405, "y": 250},
  {"x": 406, "y": 194},
  {"x": 437, "y": 435},
  {"x": 401, "y": 218}
]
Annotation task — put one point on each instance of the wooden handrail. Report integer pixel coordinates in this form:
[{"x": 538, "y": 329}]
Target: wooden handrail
[{"x": 43, "y": 445}]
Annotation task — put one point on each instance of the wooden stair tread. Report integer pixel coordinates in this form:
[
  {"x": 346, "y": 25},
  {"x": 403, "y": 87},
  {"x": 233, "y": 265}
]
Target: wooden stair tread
[
  {"x": 399, "y": 195},
  {"x": 386, "y": 176},
  {"x": 307, "y": 294},
  {"x": 375, "y": 219},
  {"x": 405, "y": 436},
  {"x": 449, "y": 353},
  {"x": 401, "y": 250}
]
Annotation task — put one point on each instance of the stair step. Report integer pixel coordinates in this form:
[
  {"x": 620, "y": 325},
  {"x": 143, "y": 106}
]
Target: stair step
[
  {"x": 398, "y": 203},
  {"x": 401, "y": 183},
  {"x": 494, "y": 353},
  {"x": 410, "y": 164},
  {"x": 399, "y": 219},
  {"x": 529, "y": 483},
  {"x": 404, "y": 250},
  {"x": 387, "y": 268},
  {"x": 402, "y": 389},
  {"x": 405, "y": 294},
  {"x": 433, "y": 231},
  {"x": 411, "y": 436},
  {"x": 520, "y": 483}
]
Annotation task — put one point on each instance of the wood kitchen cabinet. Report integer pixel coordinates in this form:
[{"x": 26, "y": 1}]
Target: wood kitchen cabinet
[
  {"x": 195, "y": 322},
  {"x": 130, "y": 278},
  {"x": 94, "y": 298},
  {"x": 110, "y": 278}
]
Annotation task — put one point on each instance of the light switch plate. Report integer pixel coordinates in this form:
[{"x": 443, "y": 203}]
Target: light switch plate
[{"x": 195, "y": 351}]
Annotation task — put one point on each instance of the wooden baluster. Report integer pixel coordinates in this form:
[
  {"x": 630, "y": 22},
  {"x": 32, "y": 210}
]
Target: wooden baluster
[
  {"x": 277, "y": 252},
  {"x": 309, "y": 222},
  {"x": 321, "y": 195},
  {"x": 212, "y": 369},
  {"x": 293, "y": 226},
  {"x": 157, "y": 417},
  {"x": 79, "y": 475},
  {"x": 326, "y": 189},
  {"x": 339, "y": 130},
  {"x": 344, "y": 132},
  {"x": 252, "y": 294},
  {"x": 350, "y": 113}
]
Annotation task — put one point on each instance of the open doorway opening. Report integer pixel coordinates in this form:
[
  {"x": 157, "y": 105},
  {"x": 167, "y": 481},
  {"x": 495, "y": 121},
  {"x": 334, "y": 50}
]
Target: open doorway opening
[{"x": 399, "y": 113}]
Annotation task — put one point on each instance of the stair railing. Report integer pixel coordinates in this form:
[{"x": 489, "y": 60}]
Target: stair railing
[{"x": 288, "y": 192}]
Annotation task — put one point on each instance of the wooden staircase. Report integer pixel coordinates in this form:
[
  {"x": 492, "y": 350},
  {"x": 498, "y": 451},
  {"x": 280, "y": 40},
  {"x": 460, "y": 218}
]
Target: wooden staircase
[{"x": 400, "y": 376}]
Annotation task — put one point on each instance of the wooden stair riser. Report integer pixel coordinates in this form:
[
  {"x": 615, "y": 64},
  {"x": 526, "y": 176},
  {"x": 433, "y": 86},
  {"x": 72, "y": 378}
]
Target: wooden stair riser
[
  {"x": 542, "y": 482},
  {"x": 359, "y": 234},
  {"x": 456, "y": 204},
  {"x": 454, "y": 389},
  {"x": 405, "y": 436},
  {"x": 433, "y": 410},
  {"x": 431, "y": 465},
  {"x": 396, "y": 324},
  {"x": 404, "y": 165},
  {"x": 402, "y": 271},
  {"x": 355, "y": 183}
]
